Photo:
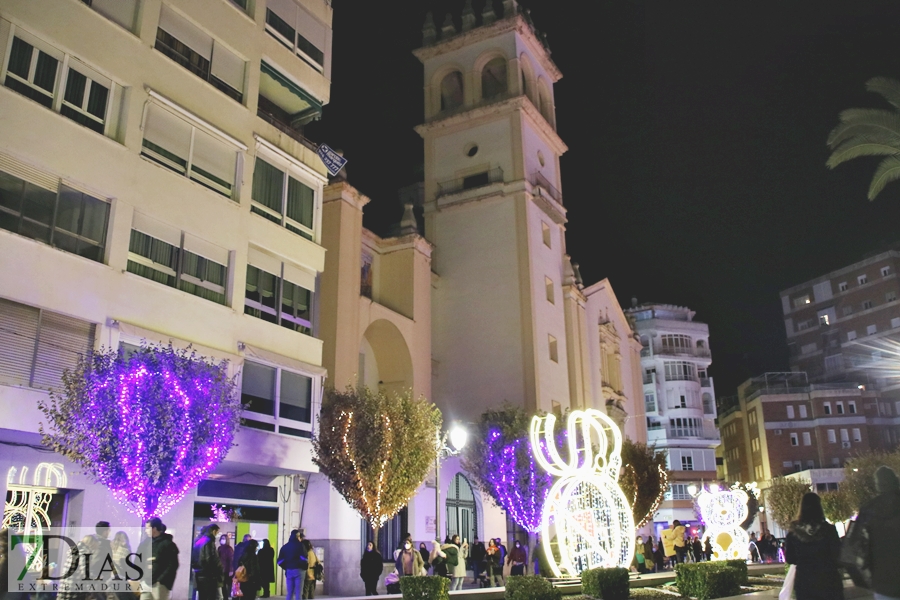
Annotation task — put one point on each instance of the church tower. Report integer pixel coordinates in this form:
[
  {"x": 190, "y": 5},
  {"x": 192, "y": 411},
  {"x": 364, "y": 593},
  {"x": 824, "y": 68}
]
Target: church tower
[{"x": 494, "y": 212}]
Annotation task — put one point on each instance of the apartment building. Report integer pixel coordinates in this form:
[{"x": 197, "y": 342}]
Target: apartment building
[
  {"x": 156, "y": 185},
  {"x": 679, "y": 400},
  {"x": 839, "y": 323}
]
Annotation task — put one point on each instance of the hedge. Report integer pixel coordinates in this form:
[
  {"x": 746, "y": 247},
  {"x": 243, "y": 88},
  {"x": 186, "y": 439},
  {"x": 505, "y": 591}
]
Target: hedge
[
  {"x": 740, "y": 565},
  {"x": 530, "y": 587},
  {"x": 609, "y": 584},
  {"x": 425, "y": 588},
  {"x": 704, "y": 581}
]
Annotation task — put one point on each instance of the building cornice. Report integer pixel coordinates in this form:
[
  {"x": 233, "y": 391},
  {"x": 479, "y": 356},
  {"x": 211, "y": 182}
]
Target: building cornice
[
  {"x": 341, "y": 190},
  {"x": 384, "y": 246}
]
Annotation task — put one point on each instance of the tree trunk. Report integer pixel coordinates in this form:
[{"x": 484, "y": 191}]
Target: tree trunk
[
  {"x": 375, "y": 531},
  {"x": 532, "y": 545}
]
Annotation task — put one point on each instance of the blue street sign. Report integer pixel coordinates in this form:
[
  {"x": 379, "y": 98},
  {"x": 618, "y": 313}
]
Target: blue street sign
[{"x": 334, "y": 162}]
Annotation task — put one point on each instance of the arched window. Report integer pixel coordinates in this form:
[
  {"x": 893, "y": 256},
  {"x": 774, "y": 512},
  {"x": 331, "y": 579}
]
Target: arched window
[
  {"x": 525, "y": 90},
  {"x": 452, "y": 91},
  {"x": 462, "y": 515},
  {"x": 493, "y": 78},
  {"x": 545, "y": 104}
]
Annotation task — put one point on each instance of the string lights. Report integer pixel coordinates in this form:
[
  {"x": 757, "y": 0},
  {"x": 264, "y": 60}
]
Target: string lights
[
  {"x": 521, "y": 493},
  {"x": 585, "y": 509},
  {"x": 723, "y": 512},
  {"x": 663, "y": 486},
  {"x": 376, "y": 515}
]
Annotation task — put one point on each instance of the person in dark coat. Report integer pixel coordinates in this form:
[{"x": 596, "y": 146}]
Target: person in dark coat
[
  {"x": 880, "y": 517},
  {"x": 478, "y": 553},
  {"x": 266, "y": 559},
  {"x": 292, "y": 559},
  {"x": 814, "y": 546},
  {"x": 251, "y": 566},
  {"x": 164, "y": 556},
  {"x": 426, "y": 555},
  {"x": 239, "y": 549},
  {"x": 226, "y": 556},
  {"x": 371, "y": 565},
  {"x": 205, "y": 563}
]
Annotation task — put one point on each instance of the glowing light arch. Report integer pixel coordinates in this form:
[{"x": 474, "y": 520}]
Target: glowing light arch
[{"x": 586, "y": 509}]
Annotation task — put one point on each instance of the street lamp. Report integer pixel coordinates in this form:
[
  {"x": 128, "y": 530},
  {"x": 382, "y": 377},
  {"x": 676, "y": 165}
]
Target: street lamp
[{"x": 458, "y": 437}]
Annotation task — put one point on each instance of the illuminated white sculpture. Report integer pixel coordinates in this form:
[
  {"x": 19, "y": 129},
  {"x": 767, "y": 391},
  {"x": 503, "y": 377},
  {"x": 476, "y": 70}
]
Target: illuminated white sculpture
[
  {"x": 585, "y": 510},
  {"x": 723, "y": 512}
]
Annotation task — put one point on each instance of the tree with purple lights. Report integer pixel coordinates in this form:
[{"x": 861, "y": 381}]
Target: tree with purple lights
[{"x": 148, "y": 425}]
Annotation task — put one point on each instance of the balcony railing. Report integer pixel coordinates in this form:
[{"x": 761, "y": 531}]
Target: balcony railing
[
  {"x": 679, "y": 351},
  {"x": 470, "y": 182},
  {"x": 543, "y": 184},
  {"x": 273, "y": 119}
]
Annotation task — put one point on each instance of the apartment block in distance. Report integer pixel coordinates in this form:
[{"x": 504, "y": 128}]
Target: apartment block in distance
[{"x": 156, "y": 186}]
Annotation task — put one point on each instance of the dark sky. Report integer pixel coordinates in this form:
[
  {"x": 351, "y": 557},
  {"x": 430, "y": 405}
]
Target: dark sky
[{"x": 695, "y": 173}]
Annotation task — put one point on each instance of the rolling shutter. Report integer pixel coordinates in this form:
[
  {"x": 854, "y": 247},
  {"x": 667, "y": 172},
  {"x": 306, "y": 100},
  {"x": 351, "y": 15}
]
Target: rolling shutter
[
  {"x": 18, "y": 332},
  {"x": 63, "y": 341}
]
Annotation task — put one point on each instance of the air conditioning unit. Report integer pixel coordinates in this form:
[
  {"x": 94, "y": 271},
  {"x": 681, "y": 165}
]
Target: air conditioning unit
[
  {"x": 845, "y": 444},
  {"x": 777, "y": 432}
]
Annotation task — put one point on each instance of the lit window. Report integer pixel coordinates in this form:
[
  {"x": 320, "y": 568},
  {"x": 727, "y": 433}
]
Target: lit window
[
  {"x": 554, "y": 352},
  {"x": 842, "y": 286},
  {"x": 861, "y": 280},
  {"x": 824, "y": 320},
  {"x": 279, "y": 196}
]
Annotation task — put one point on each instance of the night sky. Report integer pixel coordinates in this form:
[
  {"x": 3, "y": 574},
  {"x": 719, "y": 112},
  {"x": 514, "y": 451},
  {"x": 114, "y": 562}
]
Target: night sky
[{"x": 695, "y": 173}]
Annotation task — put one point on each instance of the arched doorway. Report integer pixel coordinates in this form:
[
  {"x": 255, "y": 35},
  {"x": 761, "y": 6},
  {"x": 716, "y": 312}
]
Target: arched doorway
[
  {"x": 385, "y": 362},
  {"x": 462, "y": 513}
]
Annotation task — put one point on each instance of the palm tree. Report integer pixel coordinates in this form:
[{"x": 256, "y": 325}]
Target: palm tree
[{"x": 871, "y": 132}]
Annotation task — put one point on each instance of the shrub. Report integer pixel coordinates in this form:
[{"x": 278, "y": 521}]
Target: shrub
[
  {"x": 425, "y": 588},
  {"x": 530, "y": 587},
  {"x": 704, "y": 581},
  {"x": 741, "y": 566},
  {"x": 609, "y": 584}
]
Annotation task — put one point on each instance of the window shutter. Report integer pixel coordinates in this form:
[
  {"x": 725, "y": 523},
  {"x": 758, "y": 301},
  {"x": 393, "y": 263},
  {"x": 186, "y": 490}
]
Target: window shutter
[
  {"x": 300, "y": 277},
  {"x": 286, "y": 9},
  {"x": 63, "y": 340},
  {"x": 214, "y": 157},
  {"x": 168, "y": 131},
  {"x": 156, "y": 229},
  {"x": 18, "y": 332},
  {"x": 205, "y": 249},
  {"x": 185, "y": 32},
  {"x": 118, "y": 11},
  {"x": 264, "y": 261},
  {"x": 228, "y": 67},
  {"x": 15, "y": 167},
  {"x": 311, "y": 29}
]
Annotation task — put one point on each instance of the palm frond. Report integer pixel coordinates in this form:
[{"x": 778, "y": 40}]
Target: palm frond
[
  {"x": 888, "y": 170},
  {"x": 887, "y": 87},
  {"x": 859, "y": 146},
  {"x": 856, "y": 121}
]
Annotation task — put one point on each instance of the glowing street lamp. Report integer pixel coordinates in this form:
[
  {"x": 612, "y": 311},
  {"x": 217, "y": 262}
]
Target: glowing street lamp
[{"x": 458, "y": 436}]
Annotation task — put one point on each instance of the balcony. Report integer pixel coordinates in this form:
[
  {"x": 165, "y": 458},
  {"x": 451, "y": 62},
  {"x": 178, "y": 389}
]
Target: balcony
[
  {"x": 470, "y": 182},
  {"x": 545, "y": 188},
  {"x": 680, "y": 351}
]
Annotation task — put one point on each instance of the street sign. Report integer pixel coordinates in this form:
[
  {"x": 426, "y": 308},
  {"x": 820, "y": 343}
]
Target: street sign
[{"x": 334, "y": 162}]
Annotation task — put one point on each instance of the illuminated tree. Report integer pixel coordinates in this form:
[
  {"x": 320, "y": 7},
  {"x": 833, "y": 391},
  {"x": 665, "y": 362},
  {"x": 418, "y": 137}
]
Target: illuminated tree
[
  {"x": 149, "y": 425},
  {"x": 783, "y": 498},
  {"x": 376, "y": 449},
  {"x": 645, "y": 479},
  {"x": 871, "y": 132}
]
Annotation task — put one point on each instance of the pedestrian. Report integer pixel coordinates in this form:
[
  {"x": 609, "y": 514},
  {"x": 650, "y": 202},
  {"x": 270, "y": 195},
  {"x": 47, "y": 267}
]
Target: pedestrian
[
  {"x": 648, "y": 554},
  {"x": 492, "y": 563},
  {"x": 673, "y": 542},
  {"x": 638, "y": 563},
  {"x": 458, "y": 573},
  {"x": 205, "y": 564},
  {"x": 309, "y": 586},
  {"x": 517, "y": 559},
  {"x": 438, "y": 561},
  {"x": 371, "y": 566},
  {"x": 450, "y": 552},
  {"x": 239, "y": 549},
  {"x": 163, "y": 555},
  {"x": 266, "y": 559},
  {"x": 478, "y": 554},
  {"x": 697, "y": 547},
  {"x": 292, "y": 559},
  {"x": 814, "y": 546},
  {"x": 880, "y": 517},
  {"x": 707, "y": 549},
  {"x": 103, "y": 553},
  {"x": 249, "y": 560},
  {"x": 121, "y": 548},
  {"x": 536, "y": 555},
  {"x": 659, "y": 556},
  {"x": 426, "y": 562},
  {"x": 503, "y": 572},
  {"x": 68, "y": 587},
  {"x": 226, "y": 557}
]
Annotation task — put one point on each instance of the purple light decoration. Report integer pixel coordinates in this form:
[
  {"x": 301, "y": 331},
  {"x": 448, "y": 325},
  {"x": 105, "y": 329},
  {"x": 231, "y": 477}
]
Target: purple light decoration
[
  {"x": 518, "y": 486},
  {"x": 152, "y": 425}
]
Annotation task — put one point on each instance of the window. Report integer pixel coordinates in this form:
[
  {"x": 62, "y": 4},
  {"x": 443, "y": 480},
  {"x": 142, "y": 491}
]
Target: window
[
  {"x": 847, "y": 310},
  {"x": 708, "y": 407},
  {"x": 36, "y": 345},
  {"x": 119, "y": 11},
  {"x": 808, "y": 348},
  {"x": 885, "y": 271},
  {"x": 842, "y": 286},
  {"x": 554, "y": 352},
  {"x": 861, "y": 280},
  {"x": 678, "y": 370},
  {"x": 185, "y": 148},
  {"x": 839, "y": 406},
  {"x": 824, "y": 320},
  {"x": 851, "y": 335},
  {"x": 795, "y": 441},
  {"x": 807, "y": 440},
  {"x": 493, "y": 78},
  {"x": 895, "y": 322},
  {"x": 679, "y": 491},
  {"x": 53, "y": 213},
  {"x": 810, "y": 464},
  {"x": 680, "y": 344},
  {"x": 297, "y": 30},
  {"x": 682, "y": 401},
  {"x": 197, "y": 52},
  {"x": 754, "y": 444},
  {"x": 857, "y": 435},
  {"x": 801, "y": 301},
  {"x": 851, "y": 405},
  {"x": 545, "y": 233},
  {"x": 758, "y": 471},
  {"x": 548, "y": 288},
  {"x": 682, "y": 427},
  {"x": 687, "y": 463},
  {"x": 802, "y": 408},
  {"x": 653, "y": 424},
  {"x": 890, "y": 297},
  {"x": 283, "y": 199},
  {"x": 61, "y": 83},
  {"x": 452, "y": 91},
  {"x": 279, "y": 293},
  {"x": 790, "y": 412},
  {"x": 845, "y": 436},
  {"x": 804, "y": 325},
  {"x": 179, "y": 260},
  {"x": 649, "y": 403},
  {"x": 278, "y": 400},
  {"x": 752, "y": 417},
  {"x": 826, "y": 408},
  {"x": 871, "y": 329},
  {"x": 867, "y": 304},
  {"x": 831, "y": 437}
]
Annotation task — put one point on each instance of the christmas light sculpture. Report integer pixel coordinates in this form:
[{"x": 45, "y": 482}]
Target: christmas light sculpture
[
  {"x": 723, "y": 512},
  {"x": 586, "y": 509},
  {"x": 521, "y": 493},
  {"x": 148, "y": 426}
]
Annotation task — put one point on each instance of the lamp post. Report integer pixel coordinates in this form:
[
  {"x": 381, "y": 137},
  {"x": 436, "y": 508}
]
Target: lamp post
[{"x": 457, "y": 435}]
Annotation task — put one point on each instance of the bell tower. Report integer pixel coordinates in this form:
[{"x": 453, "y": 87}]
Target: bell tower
[{"x": 494, "y": 211}]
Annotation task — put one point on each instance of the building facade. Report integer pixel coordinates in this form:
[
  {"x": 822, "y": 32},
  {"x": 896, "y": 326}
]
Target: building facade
[
  {"x": 679, "y": 400},
  {"x": 156, "y": 186}
]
